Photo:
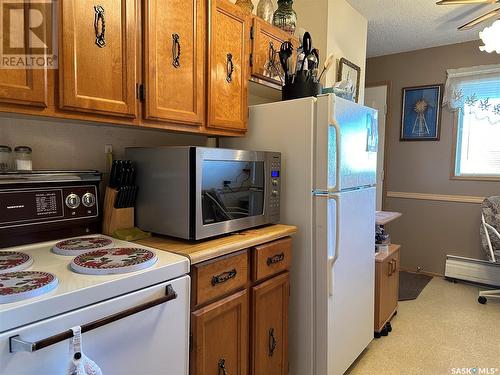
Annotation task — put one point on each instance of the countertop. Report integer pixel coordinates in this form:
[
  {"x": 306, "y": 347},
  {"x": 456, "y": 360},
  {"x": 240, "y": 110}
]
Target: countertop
[
  {"x": 385, "y": 217},
  {"x": 201, "y": 251}
]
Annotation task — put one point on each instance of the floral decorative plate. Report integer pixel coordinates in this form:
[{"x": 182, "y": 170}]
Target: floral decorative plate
[
  {"x": 113, "y": 261},
  {"x": 77, "y": 246},
  {"x": 17, "y": 286},
  {"x": 13, "y": 261}
]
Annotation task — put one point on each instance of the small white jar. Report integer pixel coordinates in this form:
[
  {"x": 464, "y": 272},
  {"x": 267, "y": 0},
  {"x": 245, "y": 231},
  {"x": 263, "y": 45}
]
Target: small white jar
[{"x": 23, "y": 158}]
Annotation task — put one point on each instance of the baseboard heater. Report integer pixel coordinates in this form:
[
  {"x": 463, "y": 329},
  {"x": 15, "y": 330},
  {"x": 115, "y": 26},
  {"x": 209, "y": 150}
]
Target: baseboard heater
[{"x": 472, "y": 270}]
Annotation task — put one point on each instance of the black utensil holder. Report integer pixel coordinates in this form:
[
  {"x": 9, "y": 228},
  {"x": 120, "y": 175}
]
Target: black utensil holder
[{"x": 300, "y": 85}]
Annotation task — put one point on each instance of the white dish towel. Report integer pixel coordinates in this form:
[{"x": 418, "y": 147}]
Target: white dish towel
[{"x": 80, "y": 364}]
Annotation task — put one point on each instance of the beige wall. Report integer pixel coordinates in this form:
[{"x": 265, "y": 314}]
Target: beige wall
[
  {"x": 60, "y": 144},
  {"x": 429, "y": 230}
]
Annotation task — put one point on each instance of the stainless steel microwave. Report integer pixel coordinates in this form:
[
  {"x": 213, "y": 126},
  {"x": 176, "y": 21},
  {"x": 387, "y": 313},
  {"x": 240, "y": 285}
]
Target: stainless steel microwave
[{"x": 195, "y": 192}]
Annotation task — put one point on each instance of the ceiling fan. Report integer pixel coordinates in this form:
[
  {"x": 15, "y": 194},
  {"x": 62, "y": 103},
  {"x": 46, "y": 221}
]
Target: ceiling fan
[{"x": 469, "y": 25}]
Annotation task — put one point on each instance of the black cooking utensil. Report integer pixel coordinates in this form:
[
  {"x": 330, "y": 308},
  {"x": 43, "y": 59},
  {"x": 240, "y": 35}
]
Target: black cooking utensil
[{"x": 306, "y": 47}]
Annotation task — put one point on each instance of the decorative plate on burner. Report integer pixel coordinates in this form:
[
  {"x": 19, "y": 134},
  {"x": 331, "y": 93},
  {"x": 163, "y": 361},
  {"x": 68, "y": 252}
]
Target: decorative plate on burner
[
  {"x": 77, "y": 246},
  {"x": 17, "y": 286},
  {"x": 113, "y": 261},
  {"x": 14, "y": 261}
]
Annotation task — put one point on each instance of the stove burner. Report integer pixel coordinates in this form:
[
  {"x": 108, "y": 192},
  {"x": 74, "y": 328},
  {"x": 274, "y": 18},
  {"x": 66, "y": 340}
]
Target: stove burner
[
  {"x": 17, "y": 286},
  {"x": 14, "y": 261},
  {"x": 77, "y": 246},
  {"x": 113, "y": 261}
]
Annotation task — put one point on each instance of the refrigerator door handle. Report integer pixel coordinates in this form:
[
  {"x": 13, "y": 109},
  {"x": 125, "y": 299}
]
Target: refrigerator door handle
[{"x": 333, "y": 259}]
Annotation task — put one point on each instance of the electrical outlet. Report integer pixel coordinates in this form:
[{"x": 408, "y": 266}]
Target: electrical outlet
[{"x": 108, "y": 149}]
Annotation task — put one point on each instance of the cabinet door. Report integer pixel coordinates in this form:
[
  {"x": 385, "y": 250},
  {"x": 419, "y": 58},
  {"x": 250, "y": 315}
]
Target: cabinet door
[
  {"x": 25, "y": 86},
  {"x": 267, "y": 41},
  {"x": 270, "y": 326},
  {"x": 220, "y": 337},
  {"x": 386, "y": 292},
  {"x": 98, "y": 53},
  {"x": 174, "y": 60},
  {"x": 228, "y": 66}
]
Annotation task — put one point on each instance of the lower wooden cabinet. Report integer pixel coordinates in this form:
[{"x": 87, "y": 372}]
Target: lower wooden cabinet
[
  {"x": 241, "y": 327},
  {"x": 270, "y": 326},
  {"x": 386, "y": 286},
  {"x": 220, "y": 337}
]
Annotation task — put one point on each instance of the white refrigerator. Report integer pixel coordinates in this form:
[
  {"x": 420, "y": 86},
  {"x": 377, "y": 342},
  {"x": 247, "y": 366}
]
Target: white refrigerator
[{"x": 329, "y": 162}]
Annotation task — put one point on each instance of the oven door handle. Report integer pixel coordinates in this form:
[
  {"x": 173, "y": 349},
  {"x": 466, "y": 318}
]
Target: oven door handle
[{"x": 18, "y": 345}]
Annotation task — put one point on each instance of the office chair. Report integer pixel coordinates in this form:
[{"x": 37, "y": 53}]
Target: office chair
[{"x": 490, "y": 239}]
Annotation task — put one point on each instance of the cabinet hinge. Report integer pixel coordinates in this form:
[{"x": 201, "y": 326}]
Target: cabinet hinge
[
  {"x": 141, "y": 95},
  {"x": 251, "y": 32},
  {"x": 251, "y": 59}
]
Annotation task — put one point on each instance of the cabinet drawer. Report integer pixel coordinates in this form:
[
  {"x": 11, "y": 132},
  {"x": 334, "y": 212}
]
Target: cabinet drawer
[
  {"x": 271, "y": 258},
  {"x": 219, "y": 277}
]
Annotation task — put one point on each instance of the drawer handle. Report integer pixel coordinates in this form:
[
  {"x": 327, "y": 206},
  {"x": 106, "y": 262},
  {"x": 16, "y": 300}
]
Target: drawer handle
[
  {"x": 100, "y": 40},
  {"x": 229, "y": 68},
  {"x": 223, "y": 277},
  {"x": 176, "y": 50},
  {"x": 19, "y": 345},
  {"x": 276, "y": 259},
  {"x": 272, "y": 342},
  {"x": 222, "y": 367}
]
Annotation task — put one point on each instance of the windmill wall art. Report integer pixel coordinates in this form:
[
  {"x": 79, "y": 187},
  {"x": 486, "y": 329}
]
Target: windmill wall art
[{"x": 421, "y": 113}]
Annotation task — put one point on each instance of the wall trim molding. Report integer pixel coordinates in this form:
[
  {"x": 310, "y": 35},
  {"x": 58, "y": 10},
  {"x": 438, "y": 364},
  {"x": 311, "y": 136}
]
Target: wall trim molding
[{"x": 435, "y": 197}]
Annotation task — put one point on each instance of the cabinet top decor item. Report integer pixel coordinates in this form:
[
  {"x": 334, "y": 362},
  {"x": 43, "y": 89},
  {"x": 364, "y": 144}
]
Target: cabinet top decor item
[
  {"x": 245, "y": 4},
  {"x": 285, "y": 17}
]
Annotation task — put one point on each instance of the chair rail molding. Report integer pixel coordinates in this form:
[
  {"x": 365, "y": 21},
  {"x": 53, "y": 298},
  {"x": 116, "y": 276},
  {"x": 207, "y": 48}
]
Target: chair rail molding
[{"x": 435, "y": 197}]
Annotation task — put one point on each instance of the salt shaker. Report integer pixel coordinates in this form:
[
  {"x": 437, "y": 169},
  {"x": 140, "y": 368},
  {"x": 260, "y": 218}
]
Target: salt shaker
[
  {"x": 23, "y": 158},
  {"x": 5, "y": 156}
]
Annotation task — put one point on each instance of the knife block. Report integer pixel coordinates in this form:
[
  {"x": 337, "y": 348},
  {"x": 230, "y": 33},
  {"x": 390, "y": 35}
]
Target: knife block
[{"x": 115, "y": 218}]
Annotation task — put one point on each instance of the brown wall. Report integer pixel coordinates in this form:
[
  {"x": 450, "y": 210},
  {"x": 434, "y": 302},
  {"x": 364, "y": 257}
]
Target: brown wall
[{"x": 429, "y": 230}]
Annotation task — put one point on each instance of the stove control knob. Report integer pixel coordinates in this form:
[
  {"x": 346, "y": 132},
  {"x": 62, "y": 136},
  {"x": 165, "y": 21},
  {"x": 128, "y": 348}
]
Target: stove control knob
[
  {"x": 88, "y": 200},
  {"x": 274, "y": 193},
  {"x": 72, "y": 201},
  {"x": 275, "y": 182}
]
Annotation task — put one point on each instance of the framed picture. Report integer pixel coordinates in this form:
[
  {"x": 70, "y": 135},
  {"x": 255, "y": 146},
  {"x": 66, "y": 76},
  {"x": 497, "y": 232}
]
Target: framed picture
[
  {"x": 349, "y": 70},
  {"x": 421, "y": 113}
]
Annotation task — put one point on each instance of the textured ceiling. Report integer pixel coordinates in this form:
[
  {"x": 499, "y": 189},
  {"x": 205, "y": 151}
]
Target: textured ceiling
[{"x": 406, "y": 25}]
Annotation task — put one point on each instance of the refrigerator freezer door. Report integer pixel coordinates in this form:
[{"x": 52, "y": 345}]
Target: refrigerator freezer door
[
  {"x": 345, "y": 269},
  {"x": 346, "y": 141}
]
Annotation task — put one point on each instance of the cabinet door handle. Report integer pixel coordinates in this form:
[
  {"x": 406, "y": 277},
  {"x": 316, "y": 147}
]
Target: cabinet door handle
[
  {"x": 395, "y": 265},
  {"x": 100, "y": 39},
  {"x": 229, "y": 68},
  {"x": 222, "y": 367},
  {"x": 276, "y": 259},
  {"x": 176, "y": 50},
  {"x": 223, "y": 277},
  {"x": 389, "y": 269},
  {"x": 272, "y": 342}
]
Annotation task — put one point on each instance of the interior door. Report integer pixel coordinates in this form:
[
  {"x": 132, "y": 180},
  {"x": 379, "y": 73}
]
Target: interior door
[
  {"x": 270, "y": 326},
  {"x": 228, "y": 64},
  {"x": 25, "y": 86},
  {"x": 376, "y": 97},
  {"x": 98, "y": 52},
  {"x": 345, "y": 277},
  {"x": 174, "y": 60}
]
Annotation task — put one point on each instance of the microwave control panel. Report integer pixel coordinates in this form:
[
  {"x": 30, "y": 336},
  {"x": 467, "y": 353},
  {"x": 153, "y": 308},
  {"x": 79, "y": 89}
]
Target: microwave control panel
[{"x": 275, "y": 187}]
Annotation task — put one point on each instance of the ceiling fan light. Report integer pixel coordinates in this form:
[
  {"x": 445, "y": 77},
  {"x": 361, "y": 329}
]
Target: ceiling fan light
[{"x": 490, "y": 38}]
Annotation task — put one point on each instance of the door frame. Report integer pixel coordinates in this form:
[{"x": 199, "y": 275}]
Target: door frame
[{"x": 388, "y": 126}]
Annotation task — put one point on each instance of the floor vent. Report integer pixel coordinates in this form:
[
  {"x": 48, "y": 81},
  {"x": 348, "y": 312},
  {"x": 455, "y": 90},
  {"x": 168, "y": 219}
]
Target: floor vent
[{"x": 472, "y": 270}]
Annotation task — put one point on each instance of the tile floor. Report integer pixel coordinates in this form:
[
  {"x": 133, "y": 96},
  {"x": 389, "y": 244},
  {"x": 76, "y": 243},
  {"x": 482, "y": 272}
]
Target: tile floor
[{"x": 443, "y": 330}]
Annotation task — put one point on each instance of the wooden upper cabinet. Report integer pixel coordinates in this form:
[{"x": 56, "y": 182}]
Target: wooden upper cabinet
[
  {"x": 174, "y": 60},
  {"x": 267, "y": 40},
  {"x": 97, "y": 71},
  {"x": 25, "y": 85},
  {"x": 220, "y": 337},
  {"x": 228, "y": 64},
  {"x": 270, "y": 326}
]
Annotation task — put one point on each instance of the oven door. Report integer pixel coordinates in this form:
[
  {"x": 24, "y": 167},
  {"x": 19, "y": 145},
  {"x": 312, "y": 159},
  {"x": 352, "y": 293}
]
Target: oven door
[
  {"x": 232, "y": 190},
  {"x": 152, "y": 341}
]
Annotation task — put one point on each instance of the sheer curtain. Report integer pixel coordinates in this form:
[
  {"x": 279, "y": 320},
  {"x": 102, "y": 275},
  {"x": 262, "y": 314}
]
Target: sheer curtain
[{"x": 474, "y": 90}]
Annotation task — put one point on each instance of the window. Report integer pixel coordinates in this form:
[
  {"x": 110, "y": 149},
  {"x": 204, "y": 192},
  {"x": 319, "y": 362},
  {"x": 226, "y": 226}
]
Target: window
[{"x": 475, "y": 95}]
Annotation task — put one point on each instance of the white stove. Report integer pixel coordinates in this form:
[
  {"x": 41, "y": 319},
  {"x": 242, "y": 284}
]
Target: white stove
[{"x": 135, "y": 322}]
